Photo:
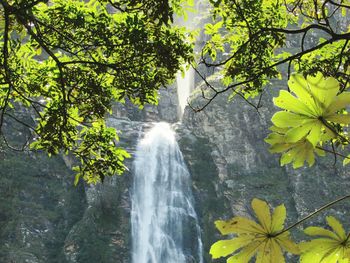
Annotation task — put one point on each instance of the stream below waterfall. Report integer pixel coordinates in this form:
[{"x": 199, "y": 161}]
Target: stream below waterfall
[{"x": 163, "y": 219}]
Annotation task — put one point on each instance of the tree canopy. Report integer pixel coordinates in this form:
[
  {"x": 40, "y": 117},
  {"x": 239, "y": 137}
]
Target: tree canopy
[{"x": 69, "y": 60}]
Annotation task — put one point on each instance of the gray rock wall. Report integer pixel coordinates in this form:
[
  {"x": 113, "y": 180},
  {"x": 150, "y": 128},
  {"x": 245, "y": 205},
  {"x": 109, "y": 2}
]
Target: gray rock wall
[
  {"x": 38, "y": 207},
  {"x": 230, "y": 164},
  {"x": 44, "y": 218}
]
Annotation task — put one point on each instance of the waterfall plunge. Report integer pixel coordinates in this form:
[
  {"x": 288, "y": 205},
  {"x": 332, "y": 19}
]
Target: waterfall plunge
[{"x": 163, "y": 220}]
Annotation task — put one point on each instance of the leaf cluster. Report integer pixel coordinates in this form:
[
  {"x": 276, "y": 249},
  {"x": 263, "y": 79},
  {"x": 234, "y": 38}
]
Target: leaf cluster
[
  {"x": 266, "y": 240},
  {"x": 314, "y": 117},
  {"x": 262, "y": 239},
  {"x": 68, "y": 61}
]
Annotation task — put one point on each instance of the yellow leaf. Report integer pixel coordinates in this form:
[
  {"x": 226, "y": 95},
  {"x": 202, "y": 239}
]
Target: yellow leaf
[
  {"x": 336, "y": 226},
  {"x": 281, "y": 147},
  {"x": 276, "y": 253},
  {"x": 262, "y": 212},
  {"x": 238, "y": 225},
  {"x": 331, "y": 247},
  {"x": 332, "y": 256},
  {"x": 289, "y": 156},
  {"x": 346, "y": 160},
  {"x": 245, "y": 254},
  {"x": 278, "y": 129},
  {"x": 275, "y": 138},
  {"x": 298, "y": 153},
  {"x": 310, "y": 258},
  {"x": 318, "y": 245},
  {"x": 308, "y": 118},
  {"x": 264, "y": 252},
  {"x": 315, "y": 133},
  {"x": 265, "y": 240},
  {"x": 223, "y": 248},
  {"x": 278, "y": 218},
  {"x": 285, "y": 241},
  {"x": 320, "y": 152},
  {"x": 310, "y": 157},
  {"x": 319, "y": 231}
]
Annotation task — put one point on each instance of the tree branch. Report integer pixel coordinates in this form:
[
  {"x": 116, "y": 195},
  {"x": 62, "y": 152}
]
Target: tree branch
[
  {"x": 312, "y": 214},
  {"x": 259, "y": 74}
]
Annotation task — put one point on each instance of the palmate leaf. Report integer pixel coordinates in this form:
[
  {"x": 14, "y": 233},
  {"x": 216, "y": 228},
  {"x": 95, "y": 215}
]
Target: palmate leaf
[
  {"x": 311, "y": 116},
  {"x": 329, "y": 247},
  {"x": 263, "y": 239},
  {"x": 293, "y": 152}
]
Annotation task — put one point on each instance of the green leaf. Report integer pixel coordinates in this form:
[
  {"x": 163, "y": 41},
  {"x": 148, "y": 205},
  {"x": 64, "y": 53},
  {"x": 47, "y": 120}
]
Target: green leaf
[
  {"x": 343, "y": 119},
  {"x": 288, "y": 102},
  {"x": 312, "y": 118},
  {"x": 323, "y": 90},
  {"x": 285, "y": 119},
  {"x": 346, "y": 160},
  {"x": 298, "y": 133},
  {"x": 315, "y": 133},
  {"x": 76, "y": 179},
  {"x": 340, "y": 102}
]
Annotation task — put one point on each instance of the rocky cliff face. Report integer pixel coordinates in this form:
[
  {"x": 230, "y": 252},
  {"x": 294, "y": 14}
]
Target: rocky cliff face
[
  {"x": 230, "y": 164},
  {"x": 44, "y": 218},
  {"x": 38, "y": 207}
]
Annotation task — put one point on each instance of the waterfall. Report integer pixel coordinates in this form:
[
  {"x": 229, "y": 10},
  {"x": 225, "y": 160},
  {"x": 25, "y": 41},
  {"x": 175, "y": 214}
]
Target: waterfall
[
  {"x": 163, "y": 220},
  {"x": 185, "y": 85}
]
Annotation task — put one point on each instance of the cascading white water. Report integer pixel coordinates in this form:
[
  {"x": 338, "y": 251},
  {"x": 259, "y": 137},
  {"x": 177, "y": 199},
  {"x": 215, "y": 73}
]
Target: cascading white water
[
  {"x": 184, "y": 87},
  {"x": 186, "y": 83},
  {"x": 163, "y": 220}
]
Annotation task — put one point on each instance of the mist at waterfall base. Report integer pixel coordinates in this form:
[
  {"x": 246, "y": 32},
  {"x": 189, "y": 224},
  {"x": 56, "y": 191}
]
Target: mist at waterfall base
[{"x": 163, "y": 220}]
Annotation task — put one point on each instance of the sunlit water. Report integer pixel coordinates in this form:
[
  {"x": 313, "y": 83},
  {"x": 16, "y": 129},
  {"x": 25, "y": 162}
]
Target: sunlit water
[
  {"x": 185, "y": 85},
  {"x": 163, "y": 220}
]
